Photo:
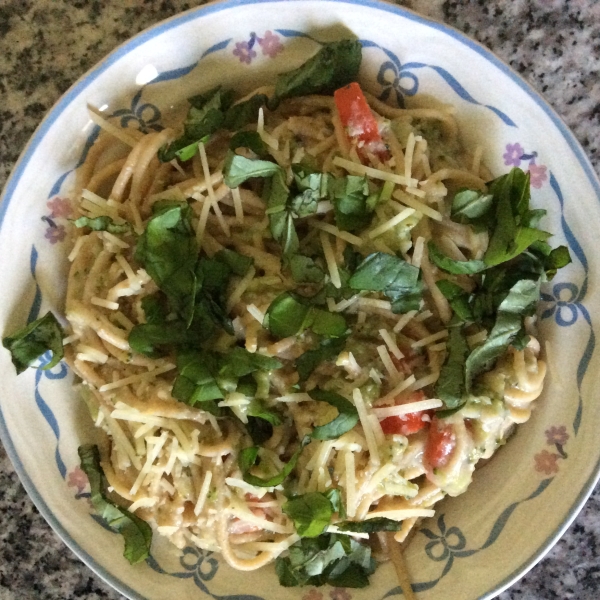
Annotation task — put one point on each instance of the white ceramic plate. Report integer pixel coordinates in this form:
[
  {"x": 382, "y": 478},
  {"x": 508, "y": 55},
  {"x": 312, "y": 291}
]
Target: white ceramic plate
[{"x": 524, "y": 499}]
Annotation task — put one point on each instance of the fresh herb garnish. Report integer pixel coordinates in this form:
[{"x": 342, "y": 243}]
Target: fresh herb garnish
[
  {"x": 456, "y": 267},
  {"x": 169, "y": 252},
  {"x": 344, "y": 422},
  {"x": 289, "y": 315},
  {"x": 305, "y": 270},
  {"x": 136, "y": 532},
  {"x": 34, "y": 340},
  {"x": 337, "y": 560},
  {"x": 450, "y": 387},
  {"x": 519, "y": 303},
  {"x": 248, "y": 457},
  {"x": 336, "y": 64},
  {"x": 103, "y": 223},
  {"x": 457, "y": 298},
  {"x": 350, "y": 196},
  {"x": 370, "y": 525},
  {"x": 398, "y": 280},
  {"x": 328, "y": 348},
  {"x": 310, "y": 512}
]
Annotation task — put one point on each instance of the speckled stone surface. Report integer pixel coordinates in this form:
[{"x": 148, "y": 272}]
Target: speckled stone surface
[{"x": 45, "y": 45}]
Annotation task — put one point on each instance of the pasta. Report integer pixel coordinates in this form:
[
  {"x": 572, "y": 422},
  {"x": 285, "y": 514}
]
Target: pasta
[{"x": 324, "y": 350}]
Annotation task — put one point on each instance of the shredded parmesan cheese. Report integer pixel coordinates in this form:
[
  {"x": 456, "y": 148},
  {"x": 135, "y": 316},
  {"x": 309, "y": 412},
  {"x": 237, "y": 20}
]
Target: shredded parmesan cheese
[{"x": 332, "y": 267}]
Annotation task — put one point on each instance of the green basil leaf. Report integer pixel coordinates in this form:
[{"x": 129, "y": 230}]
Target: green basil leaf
[
  {"x": 370, "y": 525},
  {"x": 336, "y": 64},
  {"x": 168, "y": 251},
  {"x": 238, "y": 362},
  {"x": 310, "y": 512},
  {"x": 287, "y": 315},
  {"x": 332, "y": 559},
  {"x": 237, "y": 263},
  {"x": 205, "y": 116},
  {"x": 136, "y": 532},
  {"x": 103, "y": 224},
  {"x": 344, "y": 422},
  {"x": 470, "y": 205},
  {"x": 514, "y": 229},
  {"x": 456, "y": 267},
  {"x": 304, "y": 204},
  {"x": 34, "y": 340},
  {"x": 153, "y": 339},
  {"x": 450, "y": 387},
  {"x": 334, "y": 495},
  {"x": 457, "y": 298},
  {"x": 349, "y": 196},
  {"x": 238, "y": 169},
  {"x": 322, "y": 322},
  {"x": 519, "y": 303},
  {"x": 305, "y": 270},
  {"x": 398, "y": 280},
  {"x": 154, "y": 309},
  {"x": 196, "y": 382},
  {"x": 243, "y": 113},
  {"x": 557, "y": 259},
  {"x": 251, "y": 140},
  {"x": 311, "y": 359},
  {"x": 248, "y": 459}
]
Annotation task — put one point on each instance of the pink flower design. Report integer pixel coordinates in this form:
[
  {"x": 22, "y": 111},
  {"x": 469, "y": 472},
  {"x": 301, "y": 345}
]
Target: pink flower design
[
  {"x": 513, "y": 154},
  {"x": 546, "y": 462},
  {"x": 339, "y": 594},
  {"x": 557, "y": 435},
  {"x": 60, "y": 207},
  {"x": 313, "y": 595},
  {"x": 271, "y": 46},
  {"x": 537, "y": 174},
  {"x": 244, "y": 51},
  {"x": 77, "y": 479},
  {"x": 55, "y": 233}
]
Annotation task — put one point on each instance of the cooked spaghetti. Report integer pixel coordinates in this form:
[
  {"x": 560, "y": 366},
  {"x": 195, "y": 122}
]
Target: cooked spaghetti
[{"x": 317, "y": 342}]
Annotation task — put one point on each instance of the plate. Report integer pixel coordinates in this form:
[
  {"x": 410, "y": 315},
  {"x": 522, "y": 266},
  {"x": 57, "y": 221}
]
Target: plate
[{"x": 522, "y": 501}]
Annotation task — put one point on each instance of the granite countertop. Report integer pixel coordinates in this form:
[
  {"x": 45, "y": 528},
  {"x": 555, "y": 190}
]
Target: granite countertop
[{"x": 45, "y": 45}]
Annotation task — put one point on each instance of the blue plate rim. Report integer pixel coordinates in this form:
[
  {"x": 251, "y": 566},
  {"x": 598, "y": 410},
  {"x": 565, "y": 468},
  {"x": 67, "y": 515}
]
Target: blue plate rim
[{"x": 219, "y": 6}]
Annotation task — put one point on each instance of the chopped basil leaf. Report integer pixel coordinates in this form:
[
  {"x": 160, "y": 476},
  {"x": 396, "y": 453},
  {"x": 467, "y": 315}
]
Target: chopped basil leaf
[
  {"x": 136, "y": 532},
  {"x": 336, "y": 64},
  {"x": 457, "y": 298},
  {"x": 519, "y": 303},
  {"x": 196, "y": 382},
  {"x": 344, "y": 422},
  {"x": 206, "y": 115},
  {"x": 334, "y": 495},
  {"x": 512, "y": 232},
  {"x": 311, "y": 359},
  {"x": 248, "y": 457},
  {"x": 289, "y": 315},
  {"x": 238, "y": 169},
  {"x": 168, "y": 251},
  {"x": 251, "y": 140},
  {"x": 103, "y": 224},
  {"x": 305, "y": 270},
  {"x": 153, "y": 338},
  {"x": 399, "y": 281},
  {"x": 450, "y": 387},
  {"x": 350, "y": 195},
  {"x": 332, "y": 559},
  {"x": 238, "y": 263},
  {"x": 370, "y": 525},
  {"x": 239, "y": 115},
  {"x": 468, "y": 206},
  {"x": 34, "y": 340},
  {"x": 310, "y": 512},
  {"x": 456, "y": 267},
  {"x": 556, "y": 259},
  {"x": 239, "y": 362}
]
